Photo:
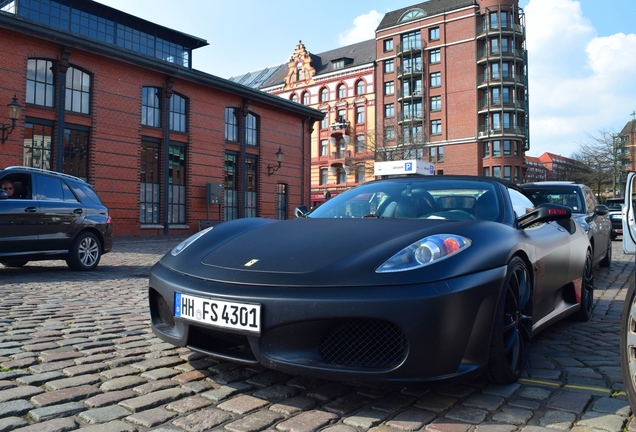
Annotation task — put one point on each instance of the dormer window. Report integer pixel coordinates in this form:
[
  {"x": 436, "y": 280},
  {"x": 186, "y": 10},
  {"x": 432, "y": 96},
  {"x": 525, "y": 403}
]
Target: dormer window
[
  {"x": 413, "y": 14},
  {"x": 300, "y": 73},
  {"x": 340, "y": 63}
]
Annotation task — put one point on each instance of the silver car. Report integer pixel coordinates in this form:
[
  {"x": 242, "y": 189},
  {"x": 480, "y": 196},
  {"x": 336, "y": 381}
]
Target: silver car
[{"x": 586, "y": 210}]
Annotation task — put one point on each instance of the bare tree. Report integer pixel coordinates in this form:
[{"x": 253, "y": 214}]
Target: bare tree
[
  {"x": 396, "y": 142},
  {"x": 606, "y": 156}
]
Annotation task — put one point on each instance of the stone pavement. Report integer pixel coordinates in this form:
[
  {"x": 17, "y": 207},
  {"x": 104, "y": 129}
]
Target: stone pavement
[{"x": 76, "y": 351}]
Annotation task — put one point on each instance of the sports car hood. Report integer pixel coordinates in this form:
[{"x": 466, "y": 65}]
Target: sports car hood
[
  {"x": 312, "y": 251},
  {"x": 299, "y": 246}
]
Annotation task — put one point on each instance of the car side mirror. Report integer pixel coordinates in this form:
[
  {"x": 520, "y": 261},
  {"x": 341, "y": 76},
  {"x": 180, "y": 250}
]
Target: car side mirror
[
  {"x": 3, "y": 194},
  {"x": 601, "y": 209},
  {"x": 301, "y": 211},
  {"x": 545, "y": 213}
]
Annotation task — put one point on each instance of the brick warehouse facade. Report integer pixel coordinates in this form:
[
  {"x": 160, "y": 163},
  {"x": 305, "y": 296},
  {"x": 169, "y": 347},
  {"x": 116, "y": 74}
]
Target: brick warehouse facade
[{"x": 137, "y": 122}]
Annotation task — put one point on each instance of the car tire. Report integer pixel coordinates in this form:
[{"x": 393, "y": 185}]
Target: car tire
[
  {"x": 628, "y": 346},
  {"x": 85, "y": 252},
  {"x": 14, "y": 264},
  {"x": 587, "y": 291},
  {"x": 607, "y": 259},
  {"x": 512, "y": 327}
]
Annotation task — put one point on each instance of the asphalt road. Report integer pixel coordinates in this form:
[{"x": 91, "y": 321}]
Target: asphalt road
[{"x": 76, "y": 351}]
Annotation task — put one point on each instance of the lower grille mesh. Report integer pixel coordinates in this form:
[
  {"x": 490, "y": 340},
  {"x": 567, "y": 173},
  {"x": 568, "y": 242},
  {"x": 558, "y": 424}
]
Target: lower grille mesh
[{"x": 365, "y": 343}]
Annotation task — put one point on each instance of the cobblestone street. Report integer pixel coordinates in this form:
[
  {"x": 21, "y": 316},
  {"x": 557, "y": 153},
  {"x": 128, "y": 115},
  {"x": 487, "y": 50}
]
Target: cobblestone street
[{"x": 76, "y": 351}]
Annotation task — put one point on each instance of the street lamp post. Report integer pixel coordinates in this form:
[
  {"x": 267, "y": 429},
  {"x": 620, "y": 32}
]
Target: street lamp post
[{"x": 15, "y": 109}]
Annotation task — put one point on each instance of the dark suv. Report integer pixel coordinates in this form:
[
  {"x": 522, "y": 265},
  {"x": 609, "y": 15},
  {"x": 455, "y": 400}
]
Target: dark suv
[
  {"x": 47, "y": 215},
  {"x": 585, "y": 210},
  {"x": 615, "y": 206}
]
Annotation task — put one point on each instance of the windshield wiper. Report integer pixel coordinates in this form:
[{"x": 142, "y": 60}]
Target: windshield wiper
[{"x": 373, "y": 215}]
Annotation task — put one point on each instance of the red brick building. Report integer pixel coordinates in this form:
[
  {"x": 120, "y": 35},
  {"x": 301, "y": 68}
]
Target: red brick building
[
  {"x": 629, "y": 139},
  {"x": 113, "y": 99},
  {"x": 535, "y": 170},
  {"x": 460, "y": 77}
]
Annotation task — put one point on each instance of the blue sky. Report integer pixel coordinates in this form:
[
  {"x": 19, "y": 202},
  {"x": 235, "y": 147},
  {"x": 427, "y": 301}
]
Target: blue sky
[{"x": 581, "y": 57}]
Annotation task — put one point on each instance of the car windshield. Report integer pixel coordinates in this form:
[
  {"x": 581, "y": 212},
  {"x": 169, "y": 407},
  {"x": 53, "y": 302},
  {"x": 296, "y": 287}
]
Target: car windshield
[
  {"x": 614, "y": 204},
  {"x": 427, "y": 198},
  {"x": 567, "y": 196}
]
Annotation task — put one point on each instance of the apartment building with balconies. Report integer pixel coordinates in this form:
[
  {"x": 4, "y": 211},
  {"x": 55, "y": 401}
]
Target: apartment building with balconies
[{"x": 453, "y": 87}]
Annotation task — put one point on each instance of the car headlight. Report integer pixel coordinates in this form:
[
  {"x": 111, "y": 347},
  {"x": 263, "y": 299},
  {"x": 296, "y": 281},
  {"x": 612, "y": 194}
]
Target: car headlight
[
  {"x": 187, "y": 242},
  {"x": 424, "y": 252}
]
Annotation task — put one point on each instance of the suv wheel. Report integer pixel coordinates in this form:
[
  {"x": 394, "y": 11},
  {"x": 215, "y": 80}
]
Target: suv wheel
[{"x": 85, "y": 252}]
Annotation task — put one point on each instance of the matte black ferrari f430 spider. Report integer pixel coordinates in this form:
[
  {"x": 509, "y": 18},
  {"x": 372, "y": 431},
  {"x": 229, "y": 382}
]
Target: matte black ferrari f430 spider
[{"x": 401, "y": 280}]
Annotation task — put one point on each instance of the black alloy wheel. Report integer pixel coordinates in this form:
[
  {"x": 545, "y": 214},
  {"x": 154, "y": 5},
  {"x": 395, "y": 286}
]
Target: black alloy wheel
[
  {"x": 587, "y": 291},
  {"x": 607, "y": 259},
  {"x": 512, "y": 328}
]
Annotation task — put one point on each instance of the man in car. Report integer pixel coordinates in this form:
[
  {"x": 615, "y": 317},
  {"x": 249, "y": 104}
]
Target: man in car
[{"x": 8, "y": 187}]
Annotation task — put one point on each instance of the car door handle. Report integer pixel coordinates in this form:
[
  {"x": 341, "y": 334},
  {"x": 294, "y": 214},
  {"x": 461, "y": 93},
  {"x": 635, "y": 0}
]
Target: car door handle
[
  {"x": 78, "y": 211},
  {"x": 31, "y": 209}
]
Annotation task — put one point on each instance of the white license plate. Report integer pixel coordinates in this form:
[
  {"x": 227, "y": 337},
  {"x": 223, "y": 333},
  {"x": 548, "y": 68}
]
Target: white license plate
[{"x": 219, "y": 313}]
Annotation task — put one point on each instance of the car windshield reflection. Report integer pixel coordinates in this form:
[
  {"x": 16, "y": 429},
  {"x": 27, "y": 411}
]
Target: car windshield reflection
[{"x": 412, "y": 198}]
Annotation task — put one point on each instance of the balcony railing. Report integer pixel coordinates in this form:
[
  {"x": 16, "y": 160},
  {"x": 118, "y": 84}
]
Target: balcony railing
[
  {"x": 501, "y": 77},
  {"x": 497, "y": 131},
  {"x": 410, "y": 94},
  {"x": 341, "y": 154},
  {"x": 411, "y": 117},
  {"x": 339, "y": 125},
  {"x": 409, "y": 70},
  {"x": 507, "y": 27},
  {"x": 415, "y": 45},
  {"x": 501, "y": 103},
  {"x": 486, "y": 53}
]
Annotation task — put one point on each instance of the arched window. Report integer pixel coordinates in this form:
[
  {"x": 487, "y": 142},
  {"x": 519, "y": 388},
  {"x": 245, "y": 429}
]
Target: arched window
[
  {"x": 306, "y": 98},
  {"x": 40, "y": 83},
  {"x": 231, "y": 124},
  {"x": 78, "y": 90},
  {"x": 324, "y": 95},
  {"x": 342, "y": 91},
  {"x": 360, "y": 87},
  {"x": 412, "y": 14},
  {"x": 151, "y": 106},
  {"x": 300, "y": 74},
  {"x": 293, "y": 97},
  {"x": 251, "y": 130},
  {"x": 178, "y": 119}
]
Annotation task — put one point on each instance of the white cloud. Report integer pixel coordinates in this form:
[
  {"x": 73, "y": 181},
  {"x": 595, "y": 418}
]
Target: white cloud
[
  {"x": 579, "y": 84},
  {"x": 363, "y": 28}
]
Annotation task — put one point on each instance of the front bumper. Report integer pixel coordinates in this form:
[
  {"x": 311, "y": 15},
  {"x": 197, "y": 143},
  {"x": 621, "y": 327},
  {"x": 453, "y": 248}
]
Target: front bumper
[{"x": 370, "y": 335}]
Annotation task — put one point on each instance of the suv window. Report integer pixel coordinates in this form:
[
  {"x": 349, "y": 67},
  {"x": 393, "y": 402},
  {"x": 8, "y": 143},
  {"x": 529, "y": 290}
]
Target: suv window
[
  {"x": 85, "y": 192},
  {"x": 49, "y": 188}
]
